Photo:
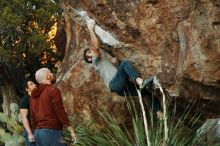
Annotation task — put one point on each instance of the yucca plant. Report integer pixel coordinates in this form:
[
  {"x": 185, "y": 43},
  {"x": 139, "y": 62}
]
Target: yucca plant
[{"x": 122, "y": 135}]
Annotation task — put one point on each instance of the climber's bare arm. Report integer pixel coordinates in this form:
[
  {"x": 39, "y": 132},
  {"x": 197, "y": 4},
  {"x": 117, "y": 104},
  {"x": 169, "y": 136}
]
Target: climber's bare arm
[{"x": 94, "y": 39}]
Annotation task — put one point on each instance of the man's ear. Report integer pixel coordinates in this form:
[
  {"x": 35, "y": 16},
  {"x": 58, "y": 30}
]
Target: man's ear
[{"x": 48, "y": 77}]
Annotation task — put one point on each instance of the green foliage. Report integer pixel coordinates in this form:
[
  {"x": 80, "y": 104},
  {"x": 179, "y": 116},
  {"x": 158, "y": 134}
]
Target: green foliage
[
  {"x": 10, "y": 19},
  {"x": 116, "y": 134},
  {"x": 24, "y": 28},
  {"x": 87, "y": 137},
  {"x": 122, "y": 135},
  {"x": 4, "y": 136},
  {"x": 40, "y": 43},
  {"x": 13, "y": 137},
  {"x": 3, "y": 117}
]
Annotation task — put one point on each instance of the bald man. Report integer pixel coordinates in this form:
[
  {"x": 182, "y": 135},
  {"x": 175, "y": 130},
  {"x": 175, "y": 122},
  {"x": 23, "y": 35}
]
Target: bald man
[{"x": 47, "y": 111}]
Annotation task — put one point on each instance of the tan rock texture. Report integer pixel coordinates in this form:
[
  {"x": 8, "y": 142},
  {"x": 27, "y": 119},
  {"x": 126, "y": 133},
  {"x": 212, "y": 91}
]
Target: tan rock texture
[{"x": 177, "y": 40}]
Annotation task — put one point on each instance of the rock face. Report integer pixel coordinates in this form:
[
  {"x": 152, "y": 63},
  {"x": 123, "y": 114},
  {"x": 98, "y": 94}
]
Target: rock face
[{"x": 178, "y": 40}]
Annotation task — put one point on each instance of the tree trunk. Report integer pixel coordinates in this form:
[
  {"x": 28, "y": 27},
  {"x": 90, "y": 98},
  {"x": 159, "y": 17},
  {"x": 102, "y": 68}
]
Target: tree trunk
[{"x": 7, "y": 91}]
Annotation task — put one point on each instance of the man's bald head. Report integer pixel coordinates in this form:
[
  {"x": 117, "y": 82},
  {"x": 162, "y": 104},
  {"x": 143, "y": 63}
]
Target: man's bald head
[{"x": 41, "y": 75}]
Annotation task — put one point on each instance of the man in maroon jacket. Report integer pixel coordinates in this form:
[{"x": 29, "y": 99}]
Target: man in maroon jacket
[{"x": 47, "y": 111}]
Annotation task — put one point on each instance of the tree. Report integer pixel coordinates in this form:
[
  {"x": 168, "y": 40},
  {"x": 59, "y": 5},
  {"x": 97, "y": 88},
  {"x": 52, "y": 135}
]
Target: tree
[{"x": 25, "y": 41}]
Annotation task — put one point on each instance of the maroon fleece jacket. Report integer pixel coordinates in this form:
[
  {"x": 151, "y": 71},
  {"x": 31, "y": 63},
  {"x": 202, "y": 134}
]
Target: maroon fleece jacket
[{"x": 47, "y": 109}]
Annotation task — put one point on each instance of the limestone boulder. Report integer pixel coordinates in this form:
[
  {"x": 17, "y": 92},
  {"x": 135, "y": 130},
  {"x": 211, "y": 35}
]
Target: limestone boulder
[{"x": 177, "y": 40}]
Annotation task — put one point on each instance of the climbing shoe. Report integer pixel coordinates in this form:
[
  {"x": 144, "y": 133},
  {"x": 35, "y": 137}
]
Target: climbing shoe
[
  {"x": 156, "y": 83},
  {"x": 147, "y": 82}
]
